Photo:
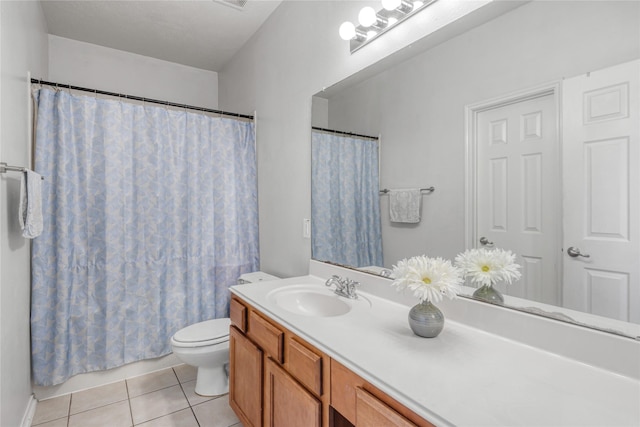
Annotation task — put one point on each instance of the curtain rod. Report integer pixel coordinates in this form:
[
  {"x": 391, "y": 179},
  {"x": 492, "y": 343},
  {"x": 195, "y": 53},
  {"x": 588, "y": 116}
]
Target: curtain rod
[
  {"x": 339, "y": 132},
  {"x": 139, "y": 98}
]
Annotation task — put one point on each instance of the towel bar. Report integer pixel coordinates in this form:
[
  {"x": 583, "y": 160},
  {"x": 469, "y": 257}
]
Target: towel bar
[
  {"x": 4, "y": 168},
  {"x": 429, "y": 190}
]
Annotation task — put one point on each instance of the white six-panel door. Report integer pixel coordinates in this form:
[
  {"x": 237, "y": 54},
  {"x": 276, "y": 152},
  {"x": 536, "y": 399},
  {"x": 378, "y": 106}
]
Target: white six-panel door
[
  {"x": 517, "y": 191},
  {"x": 601, "y": 163}
]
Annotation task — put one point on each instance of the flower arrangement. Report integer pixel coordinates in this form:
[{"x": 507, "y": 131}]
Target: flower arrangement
[
  {"x": 428, "y": 278},
  {"x": 486, "y": 267}
]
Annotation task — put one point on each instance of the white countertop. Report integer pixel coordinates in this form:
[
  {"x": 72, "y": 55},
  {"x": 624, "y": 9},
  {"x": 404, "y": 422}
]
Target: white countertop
[{"x": 465, "y": 376}]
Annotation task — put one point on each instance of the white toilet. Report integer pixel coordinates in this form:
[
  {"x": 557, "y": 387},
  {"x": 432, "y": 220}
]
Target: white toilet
[{"x": 205, "y": 345}]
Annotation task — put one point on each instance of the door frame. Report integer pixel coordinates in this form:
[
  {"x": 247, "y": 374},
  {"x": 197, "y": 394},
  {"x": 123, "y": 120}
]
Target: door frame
[{"x": 471, "y": 112}]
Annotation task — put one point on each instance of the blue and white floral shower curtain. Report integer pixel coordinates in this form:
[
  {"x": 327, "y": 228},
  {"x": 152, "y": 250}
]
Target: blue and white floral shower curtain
[
  {"x": 345, "y": 201},
  {"x": 150, "y": 215}
]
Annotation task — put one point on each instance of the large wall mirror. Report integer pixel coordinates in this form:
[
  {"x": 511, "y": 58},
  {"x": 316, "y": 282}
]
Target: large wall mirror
[{"x": 527, "y": 127}]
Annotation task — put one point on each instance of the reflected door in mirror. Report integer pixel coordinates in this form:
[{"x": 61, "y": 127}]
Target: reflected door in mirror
[
  {"x": 601, "y": 154},
  {"x": 517, "y": 190}
]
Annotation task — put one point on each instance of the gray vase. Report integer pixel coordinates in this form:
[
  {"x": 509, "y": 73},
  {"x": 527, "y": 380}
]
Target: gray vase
[
  {"x": 489, "y": 294},
  {"x": 426, "y": 320}
]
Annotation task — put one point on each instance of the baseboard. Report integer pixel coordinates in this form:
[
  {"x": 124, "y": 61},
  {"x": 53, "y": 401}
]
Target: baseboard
[{"x": 29, "y": 412}]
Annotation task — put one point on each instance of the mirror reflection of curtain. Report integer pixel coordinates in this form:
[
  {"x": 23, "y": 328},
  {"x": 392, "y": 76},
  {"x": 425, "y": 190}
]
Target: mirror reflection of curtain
[
  {"x": 150, "y": 215},
  {"x": 345, "y": 202}
]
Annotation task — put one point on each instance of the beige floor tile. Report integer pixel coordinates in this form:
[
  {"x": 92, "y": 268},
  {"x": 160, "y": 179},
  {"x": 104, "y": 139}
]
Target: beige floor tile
[
  {"x": 98, "y": 396},
  {"x": 189, "y": 389},
  {"x": 186, "y": 373},
  {"x": 183, "y": 418},
  {"x": 51, "y": 409},
  {"x": 60, "y": 422},
  {"x": 151, "y": 382},
  {"x": 113, "y": 415},
  {"x": 158, "y": 403},
  {"x": 215, "y": 413}
]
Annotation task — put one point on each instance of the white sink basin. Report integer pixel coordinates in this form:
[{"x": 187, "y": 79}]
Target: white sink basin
[{"x": 310, "y": 300}]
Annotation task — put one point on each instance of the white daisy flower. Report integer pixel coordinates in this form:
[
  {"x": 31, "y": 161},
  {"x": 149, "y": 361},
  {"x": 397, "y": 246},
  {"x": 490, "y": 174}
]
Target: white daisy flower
[
  {"x": 486, "y": 267},
  {"x": 428, "y": 278}
]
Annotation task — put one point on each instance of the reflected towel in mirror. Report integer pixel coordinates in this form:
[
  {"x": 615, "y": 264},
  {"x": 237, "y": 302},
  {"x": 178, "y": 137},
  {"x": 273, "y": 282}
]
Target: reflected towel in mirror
[{"x": 404, "y": 205}]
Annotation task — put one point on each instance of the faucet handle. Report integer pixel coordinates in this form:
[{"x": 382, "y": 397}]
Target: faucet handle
[
  {"x": 351, "y": 288},
  {"x": 335, "y": 279},
  {"x": 352, "y": 282}
]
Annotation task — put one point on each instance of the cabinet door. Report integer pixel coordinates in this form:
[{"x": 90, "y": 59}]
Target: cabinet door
[
  {"x": 287, "y": 403},
  {"x": 245, "y": 378},
  {"x": 371, "y": 411}
]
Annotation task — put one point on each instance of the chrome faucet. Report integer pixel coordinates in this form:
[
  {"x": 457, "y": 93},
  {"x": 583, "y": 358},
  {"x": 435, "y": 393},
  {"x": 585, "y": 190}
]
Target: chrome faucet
[
  {"x": 385, "y": 272},
  {"x": 344, "y": 287}
]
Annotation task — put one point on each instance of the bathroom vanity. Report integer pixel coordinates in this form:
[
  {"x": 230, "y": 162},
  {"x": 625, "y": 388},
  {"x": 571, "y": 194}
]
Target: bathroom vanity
[
  {"x": 362, "y": 365},
  {"x": 278, "y": 379}
]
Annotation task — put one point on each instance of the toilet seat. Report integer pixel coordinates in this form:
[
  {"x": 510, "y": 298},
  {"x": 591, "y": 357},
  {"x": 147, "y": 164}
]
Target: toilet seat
[{"x": 209, "y": 332}]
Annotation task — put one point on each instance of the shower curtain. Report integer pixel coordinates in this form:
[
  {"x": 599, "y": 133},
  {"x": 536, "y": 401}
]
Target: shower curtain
[
  {"x": 150, "y": 215},
  {"x": 345, "y": 201}
]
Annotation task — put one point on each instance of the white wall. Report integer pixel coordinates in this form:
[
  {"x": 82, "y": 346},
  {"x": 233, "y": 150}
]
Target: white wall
[
  {"x": 92, "y": 66},
  {"x": 418, "y": 106},
  {"x": 23, "y": 41},
  {"x": 295, "y": 54}
]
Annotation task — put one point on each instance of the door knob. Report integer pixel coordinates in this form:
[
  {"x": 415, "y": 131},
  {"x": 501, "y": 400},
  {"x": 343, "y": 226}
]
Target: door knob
[
  {"x": 575, "y": 252},
  {"x": 485, "y": 242}
]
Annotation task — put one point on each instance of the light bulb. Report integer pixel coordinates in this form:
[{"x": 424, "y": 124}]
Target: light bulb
[
  {"x": 371, "y": 33},
  {"x": 367, "y": 16},
  {"x": 392, "y": 21},
  {"x": 417, "y": 4},
  {"x": 391, "y": 4},
  {"x": 347, "y": 31}
]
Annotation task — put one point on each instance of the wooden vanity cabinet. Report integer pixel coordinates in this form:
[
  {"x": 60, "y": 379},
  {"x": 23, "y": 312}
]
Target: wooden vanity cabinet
[
  {"x": 277, "y": 379},
  {"x": 290, "y": 389}
]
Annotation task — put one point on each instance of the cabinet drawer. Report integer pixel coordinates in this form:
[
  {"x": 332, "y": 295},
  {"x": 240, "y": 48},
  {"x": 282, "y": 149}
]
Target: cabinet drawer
[
  {"x": 267, "y": 336},
  {"x": 352, "y": 397},
  {"x": 370, "y": 411},
  {"x": 238, "y": 314},
  {"x": 305, "y": 365}
]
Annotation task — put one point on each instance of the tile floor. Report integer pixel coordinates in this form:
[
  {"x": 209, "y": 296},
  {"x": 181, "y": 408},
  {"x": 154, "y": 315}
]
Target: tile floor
[{"x": 161, "y": 399}]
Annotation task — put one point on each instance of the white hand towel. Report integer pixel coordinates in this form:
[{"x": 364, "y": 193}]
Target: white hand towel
[
  {"x": 30, "y": 210},
  {"x": 404, "y": 205}
]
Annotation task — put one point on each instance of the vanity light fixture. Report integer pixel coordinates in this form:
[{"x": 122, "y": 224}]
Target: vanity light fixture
[
  {"x": 367, "y": 16},
  {"x": 373, "y": 24}
]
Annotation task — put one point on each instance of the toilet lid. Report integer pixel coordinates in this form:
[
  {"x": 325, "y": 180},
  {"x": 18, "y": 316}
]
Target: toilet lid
[{"x": 204, "y": 331}]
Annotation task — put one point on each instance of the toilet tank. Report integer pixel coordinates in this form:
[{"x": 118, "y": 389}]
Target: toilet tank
[{"x": 256, "y": 276}]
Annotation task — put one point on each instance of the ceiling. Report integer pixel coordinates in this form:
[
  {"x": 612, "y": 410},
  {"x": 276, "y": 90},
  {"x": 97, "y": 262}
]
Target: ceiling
[{"x": 200, "y": 33}]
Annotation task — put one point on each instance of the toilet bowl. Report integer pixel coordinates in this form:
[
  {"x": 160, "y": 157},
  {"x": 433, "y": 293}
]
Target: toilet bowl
[{"x": 205, "y": 345}]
